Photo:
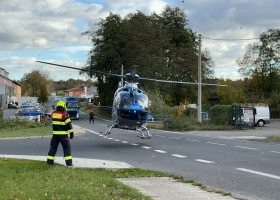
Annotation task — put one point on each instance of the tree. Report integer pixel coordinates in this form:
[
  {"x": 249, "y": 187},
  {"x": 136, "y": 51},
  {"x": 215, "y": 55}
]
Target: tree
[
  {"x": 32, "y": 82},
  {"x": 160, "y": 44},
  {"x": 43, "y": 94},
  {"x": 262, "y": 58}
]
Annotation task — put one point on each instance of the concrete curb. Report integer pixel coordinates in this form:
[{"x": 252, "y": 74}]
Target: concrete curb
[{"x": 77, "y": 162}]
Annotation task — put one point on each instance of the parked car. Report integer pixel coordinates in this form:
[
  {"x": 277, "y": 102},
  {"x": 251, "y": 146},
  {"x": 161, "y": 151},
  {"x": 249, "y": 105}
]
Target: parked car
[
  {"x": 150, "y": 118},
  {"x": 262, "y": 116},
  {"x": 12, "y": 106},
  {"x": 30, "y": 112}
]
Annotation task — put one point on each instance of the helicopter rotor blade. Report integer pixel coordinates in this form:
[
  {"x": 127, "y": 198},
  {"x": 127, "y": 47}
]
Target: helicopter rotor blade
[
  {"x": 165, "y": 81},
  {"x": 85, "y": 70},
  {"x": 134, "y": 69}
]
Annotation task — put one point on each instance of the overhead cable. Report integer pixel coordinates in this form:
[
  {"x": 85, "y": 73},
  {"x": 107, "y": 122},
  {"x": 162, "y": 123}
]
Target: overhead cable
[{"x": 230, "y": 39}]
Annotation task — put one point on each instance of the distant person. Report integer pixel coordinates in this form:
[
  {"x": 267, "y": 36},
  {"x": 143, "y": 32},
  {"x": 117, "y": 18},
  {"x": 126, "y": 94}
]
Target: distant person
[
  {"x": 91, "y": 117},
  {"x": 61, "y": 125}
]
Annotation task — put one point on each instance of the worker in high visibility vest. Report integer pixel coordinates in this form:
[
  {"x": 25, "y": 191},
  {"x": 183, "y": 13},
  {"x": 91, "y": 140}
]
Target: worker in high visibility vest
[{"x": 61, "y": 125}]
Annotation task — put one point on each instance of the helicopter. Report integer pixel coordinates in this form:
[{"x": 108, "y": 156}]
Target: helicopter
[{"x": 130, "y": 106}]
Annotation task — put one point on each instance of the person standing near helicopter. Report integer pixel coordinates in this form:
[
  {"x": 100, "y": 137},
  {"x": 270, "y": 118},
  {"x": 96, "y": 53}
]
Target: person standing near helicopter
[
  {"x": 91, "y": 117},
  {"x": 61, "y": 125}
]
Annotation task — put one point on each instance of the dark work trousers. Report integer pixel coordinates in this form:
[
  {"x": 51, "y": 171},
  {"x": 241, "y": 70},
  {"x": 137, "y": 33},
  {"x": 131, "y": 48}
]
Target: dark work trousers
[
  {"x": 91, "y": 119},
  {"x": 56, "y": 139}
]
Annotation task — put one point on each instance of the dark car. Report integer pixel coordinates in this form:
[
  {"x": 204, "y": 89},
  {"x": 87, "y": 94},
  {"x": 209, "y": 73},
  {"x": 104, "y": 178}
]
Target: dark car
[
  {"x": 30, "y": 112},
  {"x": 12, "y": 106}
]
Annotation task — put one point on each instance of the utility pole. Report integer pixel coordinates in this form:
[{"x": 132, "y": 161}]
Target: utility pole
[
  {"x": 199, "y": 81},
  {"x": 122, "y": 75}
]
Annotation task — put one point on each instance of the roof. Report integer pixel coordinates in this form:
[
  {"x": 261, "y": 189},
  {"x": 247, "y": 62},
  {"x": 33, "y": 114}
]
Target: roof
[{"x": 17, "y": 83}]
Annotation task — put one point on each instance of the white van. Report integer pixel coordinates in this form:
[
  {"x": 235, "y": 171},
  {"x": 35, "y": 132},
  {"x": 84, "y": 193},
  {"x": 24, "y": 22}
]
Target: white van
[{"x": 262, "y": 116}]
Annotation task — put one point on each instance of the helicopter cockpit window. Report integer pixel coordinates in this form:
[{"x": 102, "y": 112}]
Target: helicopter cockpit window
[
  {"x": 125, "y": 100},
  {"x": 143, "y": 101}
]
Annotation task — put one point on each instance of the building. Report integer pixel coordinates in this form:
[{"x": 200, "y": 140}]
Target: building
[
  {"x": 6, "y": 84},
  {"x": 8, "y": 88},
  {"x": 74, "y": 92}
]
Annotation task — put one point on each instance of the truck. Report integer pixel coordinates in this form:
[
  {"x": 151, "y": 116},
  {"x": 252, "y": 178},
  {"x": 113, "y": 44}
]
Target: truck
[{"x": 72, "y": 104}]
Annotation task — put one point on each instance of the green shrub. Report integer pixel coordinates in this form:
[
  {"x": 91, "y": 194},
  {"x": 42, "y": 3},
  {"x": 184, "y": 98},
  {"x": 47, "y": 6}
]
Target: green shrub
[
  {"x": 274, "y": 113},
  {"x": 7, "y": 124},
  {"x": 1, "y": 113},
  {"x": 221, "y": 115}
]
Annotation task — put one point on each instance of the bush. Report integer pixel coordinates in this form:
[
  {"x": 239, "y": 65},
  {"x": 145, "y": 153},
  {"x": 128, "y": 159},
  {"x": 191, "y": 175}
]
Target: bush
[
  {"x": 274, "y": 113},
  {"x": 6, "y": 124},
  {"x": 221, "y": 115},
  {"x": 1, "y": 113}
]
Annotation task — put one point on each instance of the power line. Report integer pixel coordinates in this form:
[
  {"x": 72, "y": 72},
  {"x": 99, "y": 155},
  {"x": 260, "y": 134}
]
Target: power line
[{"x": 230, "y": 39}]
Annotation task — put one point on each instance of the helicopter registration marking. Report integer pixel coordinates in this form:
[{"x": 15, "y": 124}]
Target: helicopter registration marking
[{"x": 145, "y": 147}]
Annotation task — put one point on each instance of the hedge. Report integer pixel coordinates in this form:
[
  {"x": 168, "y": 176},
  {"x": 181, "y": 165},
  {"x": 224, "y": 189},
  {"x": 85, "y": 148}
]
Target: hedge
[{"x": 221, "y": 115}]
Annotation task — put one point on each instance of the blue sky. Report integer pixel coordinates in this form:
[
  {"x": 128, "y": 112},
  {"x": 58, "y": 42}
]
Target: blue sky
[{"x": 50, "y": 30}]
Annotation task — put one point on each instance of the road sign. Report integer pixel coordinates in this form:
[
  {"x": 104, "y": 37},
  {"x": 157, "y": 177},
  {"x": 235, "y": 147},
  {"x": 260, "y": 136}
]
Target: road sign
[{"x": 150, "y": 103}]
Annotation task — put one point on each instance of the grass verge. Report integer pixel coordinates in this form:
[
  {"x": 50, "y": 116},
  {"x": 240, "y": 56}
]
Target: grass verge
[
  {"x": 190, "y": 124},
  {"x": 24, "y": 179},
  {"x": 41, "y": 131},
  {"x": 273, "y": 138}
]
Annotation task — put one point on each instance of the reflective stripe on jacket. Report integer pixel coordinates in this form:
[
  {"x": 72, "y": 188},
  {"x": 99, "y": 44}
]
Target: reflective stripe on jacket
[{"x": 61, "y": 123}]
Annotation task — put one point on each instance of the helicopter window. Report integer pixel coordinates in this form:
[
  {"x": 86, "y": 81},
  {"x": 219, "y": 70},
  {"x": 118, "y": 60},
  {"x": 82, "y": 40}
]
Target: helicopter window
[
  {"x": 143, "y": 101},
  {"x": 125, "y": 100}
]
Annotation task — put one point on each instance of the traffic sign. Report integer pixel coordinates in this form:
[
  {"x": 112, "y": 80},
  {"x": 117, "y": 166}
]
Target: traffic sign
[{"x": 150, "y": 103}]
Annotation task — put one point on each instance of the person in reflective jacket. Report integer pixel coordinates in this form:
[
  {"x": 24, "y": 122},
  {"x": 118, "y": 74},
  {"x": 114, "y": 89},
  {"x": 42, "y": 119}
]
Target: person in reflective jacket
[{"x": 61, "y": 125}]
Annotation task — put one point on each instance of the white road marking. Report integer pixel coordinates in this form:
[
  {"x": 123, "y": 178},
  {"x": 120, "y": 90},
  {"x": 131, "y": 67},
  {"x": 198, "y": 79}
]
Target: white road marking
[
  {"x": 110, "y": 138},
  {"x": 259, "y": 173},
  {"x": 274, "y": 151},
  {"x": 215, "y": 143},
  {"x": 102, "y": 124},
  {"x": 192, "y": 140},
  {"x": 246, "y": 147},
  {"x": 124, "y": 142},
  {"x": 101, "y": 135},
  {"x": 134, "y": 144},
  {"x": 175, "y": 138},
  {"x": 160, "y": 151},
  {"x": 204, "y": 161},
  {"x": 116, "y": 140},
  {"x": 179, "y": 156},
  {"x": 145, "y": 147}
]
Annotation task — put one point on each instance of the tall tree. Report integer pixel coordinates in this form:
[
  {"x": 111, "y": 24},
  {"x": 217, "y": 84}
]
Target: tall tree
[
  {"x": 32, "y": 82},
  {"x": 43, "y": 94},
  {"x": 160, "y": 43},
  {"x": 262, "y": 58}
]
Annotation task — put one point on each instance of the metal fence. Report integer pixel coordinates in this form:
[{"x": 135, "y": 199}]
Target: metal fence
[
  {"x": 162, "y": 117},
  {"x": 243, "y": 117}
]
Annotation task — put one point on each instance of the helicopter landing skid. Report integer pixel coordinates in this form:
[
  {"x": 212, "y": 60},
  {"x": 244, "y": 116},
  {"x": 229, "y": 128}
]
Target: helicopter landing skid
[
  {"x": 143, "y": 129},
  {"x": 108, "y": 131}
]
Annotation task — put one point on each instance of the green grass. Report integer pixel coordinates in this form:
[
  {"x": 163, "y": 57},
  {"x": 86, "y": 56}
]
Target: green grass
[
  {"x": 273, "y": 138},
  {"x": 190, "y": 124},
  {"x": 223, "y": 193},
  {"x": 41, "y": 131},
  {"x": 24, "y": 179}
]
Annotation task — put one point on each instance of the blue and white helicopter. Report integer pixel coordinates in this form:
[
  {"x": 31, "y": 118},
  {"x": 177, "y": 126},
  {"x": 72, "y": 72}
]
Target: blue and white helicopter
[{"x": 131, "y": 106}]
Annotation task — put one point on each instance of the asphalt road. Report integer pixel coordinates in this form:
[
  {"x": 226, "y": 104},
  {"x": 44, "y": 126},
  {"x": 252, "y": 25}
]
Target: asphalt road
[{"x": 248, "y": 170}]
